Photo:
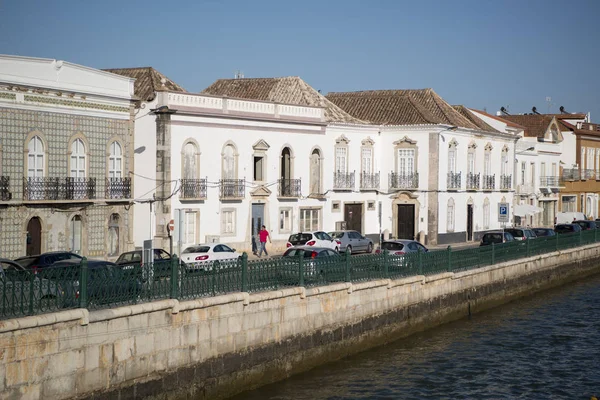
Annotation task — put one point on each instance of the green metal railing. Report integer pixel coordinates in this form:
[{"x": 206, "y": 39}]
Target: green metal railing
[{"x": 51, "y": 289}]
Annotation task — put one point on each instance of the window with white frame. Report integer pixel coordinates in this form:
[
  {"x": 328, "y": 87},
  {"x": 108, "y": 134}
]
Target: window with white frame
[
  {"x": 75, "y": 234},
  {"x": 366, "y": 166},
  {"x": 590, "y": 158},
  {"x": 229, "y": 162},
  {"x": 597, "y": 163},
  {"x": 487, "y": 161},
  {"x": 532, "y": 177},
  {"x": 452, "y": 158},
  {"x": 504, "y": 162},
  {"x": 77, "y": 159},
  {"x": 582, "y": 158},
  {"x": 310, "y": 219},
  {"x": 523, "y": 172},
  {"x": 543, "y": 169},
  {"x": 35, "y": 158},
  {"x": 486, "y": 214},
  {"x": 315, "y": 172},
  {"x": 588, "y": 207},
  {"x": 450, "y": 216},
  {"x": 569, "y": 203},
  {"x": 228, "y": 221},
  {"x": 285, "y": 219},
  {"x": 190, "y": 161},
  {"x": 190, "y": 227},
  {"x": 554, "y": 173},
  {"x": 406, "y": 161},
  {"x": 115, "y": 161},
  {"x": 341, "y": 159},
  {"x": 471, "y": 159}
]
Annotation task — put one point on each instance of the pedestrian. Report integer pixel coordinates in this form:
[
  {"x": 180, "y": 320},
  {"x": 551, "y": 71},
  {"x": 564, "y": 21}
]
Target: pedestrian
[{"x": 263, "y": 236}]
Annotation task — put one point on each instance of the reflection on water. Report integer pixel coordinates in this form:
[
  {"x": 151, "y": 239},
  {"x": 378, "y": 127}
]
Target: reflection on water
[{"x": 543, "y": 347}]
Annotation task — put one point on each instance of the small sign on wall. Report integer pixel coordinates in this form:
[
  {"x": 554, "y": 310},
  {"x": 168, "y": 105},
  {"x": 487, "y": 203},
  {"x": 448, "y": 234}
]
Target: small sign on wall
[{"x": 503, "y": 212}]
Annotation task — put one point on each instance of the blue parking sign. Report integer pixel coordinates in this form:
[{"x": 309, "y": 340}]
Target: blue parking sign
[{"x": 503, "y": 211}]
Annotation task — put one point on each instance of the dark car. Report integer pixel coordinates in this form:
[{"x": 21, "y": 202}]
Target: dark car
[
  {"x": 107, "y": 283},
  {"x": 541, "y": 232},
  {"x": 352, "y": 241},
  {"x": 500, "y": 237},
  {"x": 315, "y": 261},
  {"x": 567, "y": 228},
  {"x": 46, "y": 259},
  {"x": 586, "y": 225},
  {"x": 402, "y": 246},
  {"x": 161, "y": 263},
  {"x": 521, "y": 233}
]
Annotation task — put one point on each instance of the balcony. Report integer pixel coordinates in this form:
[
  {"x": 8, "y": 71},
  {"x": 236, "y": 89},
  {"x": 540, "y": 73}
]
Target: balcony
[
  {"x": 570, "y": 174},
  {"x": 525, "y": 189},
  {"x": 58, "y": 189},
  {"x": 489, "y": 182},
  {"x": 232, "y": 189},
  {"x": 454, "y": 180},
  {"x": 118, "y": 188},
  {"x": 473, "y": 181},
  {"x": 343, "y": 180},
  {"x": 193, "y": 189},
  {"x": 587, "y": 174},
  {"x": 289, "y": 188},
  {"x": 403, "y": 181},
  {"x": 505, "y": 182},
  {"x": 369, "y": 181},
  {"x": 5, "y": 194},
  {"x": 549, "y": 181}
]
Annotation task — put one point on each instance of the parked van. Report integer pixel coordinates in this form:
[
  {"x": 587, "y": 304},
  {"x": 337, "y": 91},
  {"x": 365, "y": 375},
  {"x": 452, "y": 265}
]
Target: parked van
[{"x": 569, "y": 217}]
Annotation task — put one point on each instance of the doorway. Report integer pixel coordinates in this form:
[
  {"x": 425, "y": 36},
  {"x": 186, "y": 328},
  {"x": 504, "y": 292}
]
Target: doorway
[
  {"x": 469, "y": 222},
  {"x": 353, "y": 217},
  {"x": 406, "y": 221},
  {"x": 34, "y": 237},
  {"x": 258, "y": 218}
]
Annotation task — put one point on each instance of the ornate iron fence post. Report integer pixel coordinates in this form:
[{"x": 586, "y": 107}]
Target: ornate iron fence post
[
  {"x": 580, "y": 237},
  {"x": 245, "y": 272},
  {"x": 174, "y": 276},
  {"x": 449, "y": 266},
  {"x": 83, "y": 279},
  {"x": 527, "y": 246},
  {"x": 386, "y": 270},
  {"x": 556, "y": 242},
  {"x": 31, "y": 293},
  {"x": 347, "y": 264},
  {"x": 301, "y": 269},
  {"x": 420, "y": 261},
  {"x": 493, "y": 254}
]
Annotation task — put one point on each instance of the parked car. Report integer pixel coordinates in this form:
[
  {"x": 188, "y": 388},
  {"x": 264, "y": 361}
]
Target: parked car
[
  {"x": 498, "y": 237},
  {"x": 352, "y": 241},
  {"x": 402, "y": 246},
  {"x": 316, "y": 239},
  {"x": 586, "y": 225},
  {"x": 107, "y": 283},
  {"x": 521, "y": 233},
  {"x": 541, "y": 232},
  {"x": 46, "y": 259},
  {"x": 16, "y": 283},
  {"x": 161, "y": 263},
  {"x": 316, "y": 260},
  {"x": 567, "y": 228},
  {"x": 203, "y": 256}
]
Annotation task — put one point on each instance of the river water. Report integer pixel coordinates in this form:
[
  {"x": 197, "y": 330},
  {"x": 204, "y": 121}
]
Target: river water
[{"x": 546, "y": 346}]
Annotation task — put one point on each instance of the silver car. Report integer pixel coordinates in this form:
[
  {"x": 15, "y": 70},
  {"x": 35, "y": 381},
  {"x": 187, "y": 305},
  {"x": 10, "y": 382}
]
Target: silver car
[{"x": 352, "y": 241}]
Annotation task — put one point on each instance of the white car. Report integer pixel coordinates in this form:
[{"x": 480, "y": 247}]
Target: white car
[
  {"x": 203, "y": 256},
  {"x": 316, "y": 239}
]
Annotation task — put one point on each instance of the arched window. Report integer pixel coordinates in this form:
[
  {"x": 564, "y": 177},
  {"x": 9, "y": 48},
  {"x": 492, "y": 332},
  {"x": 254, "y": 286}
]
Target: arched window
[
  {"x": 115, "y": 161},
  {"x": 450, "y": 216},
  {"x": 315, "y": 172},
  {"x": 75, "y": 234},
  {"x": 190, "y": 163},
  {"x": 486, "y": 214},
  {"x": 35, "y": 158},
  {"x": 229, "y": 162},
  {"x": 113, "y": 235},
  {"x": 77, "y": 159}
]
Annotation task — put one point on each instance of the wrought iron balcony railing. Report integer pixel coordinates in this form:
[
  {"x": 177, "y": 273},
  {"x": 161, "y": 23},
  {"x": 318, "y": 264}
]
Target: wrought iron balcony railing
[
  {"x": 570, "y": 174},
  {"x": 343, "y": 180},
  {"x": 454, "y": 180},
  {"x": 118, "y": 188},
  {"x": 403, "y": 181},
  {"x": 193, "y": 189},
  {"x": 369, "y": 181},
  {"x": 472, "y": 181},
  {"x": 489, "y": 182},
  {"x": 5, "y": 194},
  {"x": 587, "y": 174},
  {"x": 525, "y": 189},
  {"x": 505, "y": 182},
  {"x": 232, "y": 188},
  {"x": 289, "y": 188},
  {"x": 549, "y": 181},
  {"x": 49, "y": 188}
]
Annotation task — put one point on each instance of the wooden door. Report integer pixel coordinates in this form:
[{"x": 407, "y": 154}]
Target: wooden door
[
  {"x": 34, "y": 237},
  {"x": 406, "y": 221},
  {"x": 353, "y": 217}
]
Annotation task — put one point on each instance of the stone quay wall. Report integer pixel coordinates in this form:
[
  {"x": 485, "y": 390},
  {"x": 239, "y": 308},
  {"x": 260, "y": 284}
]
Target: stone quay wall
[{"x": 220, "y": 346}]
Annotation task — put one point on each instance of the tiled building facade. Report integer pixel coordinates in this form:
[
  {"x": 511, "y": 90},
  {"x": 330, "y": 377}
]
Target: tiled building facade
[{"x": 64, "y": 159}]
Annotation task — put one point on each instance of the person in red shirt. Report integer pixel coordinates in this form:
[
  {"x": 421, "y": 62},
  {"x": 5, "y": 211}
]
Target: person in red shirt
[{"x": 263, "y": 236}]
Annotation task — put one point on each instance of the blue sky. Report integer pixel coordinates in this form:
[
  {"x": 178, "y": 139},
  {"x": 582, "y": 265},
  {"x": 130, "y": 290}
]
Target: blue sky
[{"x": 483, "y": 54}]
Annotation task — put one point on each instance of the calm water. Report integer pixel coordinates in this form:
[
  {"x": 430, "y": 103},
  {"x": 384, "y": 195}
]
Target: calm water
[{"x": 543, "y": 347}]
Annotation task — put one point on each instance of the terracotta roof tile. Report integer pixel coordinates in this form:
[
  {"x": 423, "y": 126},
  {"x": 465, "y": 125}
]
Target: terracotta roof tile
[
  {"x": 465, "y": 112},
  {"x": 535, "y": 125},
  {"x": 287, "y": 90},
  {"x": 402, "y": 107},
  {"x": 148, "y": 81}
]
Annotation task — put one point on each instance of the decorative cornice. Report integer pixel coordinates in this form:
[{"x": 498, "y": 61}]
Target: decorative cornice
[
  {"x": 74, "y": 103},
  {"x": 368, "y": 141},
  {"x": 10, "y": 96},
  {"x": 261, "y": 145},
  {"x": 405, "y": 139},
  {"x": 342, "y": 139}
]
